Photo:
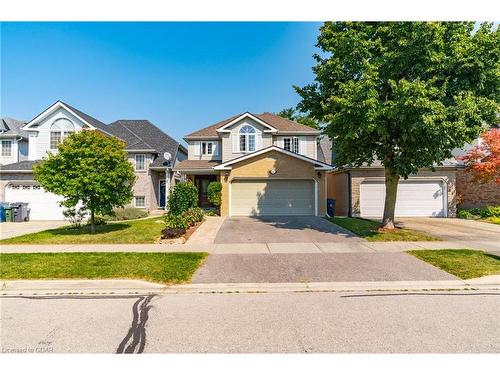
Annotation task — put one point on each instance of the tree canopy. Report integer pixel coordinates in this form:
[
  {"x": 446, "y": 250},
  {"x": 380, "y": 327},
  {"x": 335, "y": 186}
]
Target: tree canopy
[
  {"x": 403, "y": 93},
  {"x": 89, "y": 168},
  {"x": 301, "y": 118}
]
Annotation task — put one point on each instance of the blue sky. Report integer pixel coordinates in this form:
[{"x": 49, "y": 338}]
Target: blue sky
[{"x": 180, "y": 76}]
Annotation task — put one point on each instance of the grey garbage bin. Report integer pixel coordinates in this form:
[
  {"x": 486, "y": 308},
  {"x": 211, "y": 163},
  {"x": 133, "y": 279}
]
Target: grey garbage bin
[{"x": 19, "y": 211}]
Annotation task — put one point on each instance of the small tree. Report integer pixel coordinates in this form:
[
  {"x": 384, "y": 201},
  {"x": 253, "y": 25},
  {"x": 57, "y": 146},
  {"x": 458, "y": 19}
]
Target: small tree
[
  {"x": 403, "y": 93},
  {"x": 90, "y": 168},
  {"x": 215, "y": 193},
  {"x": 182, "y": 197},
  {"x": 483, "y": 160}
]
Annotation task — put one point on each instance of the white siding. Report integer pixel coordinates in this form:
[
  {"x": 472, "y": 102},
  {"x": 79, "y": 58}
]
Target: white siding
[
  {"x": 229, "y": 140},
  {"x": 308, "y": 144}
]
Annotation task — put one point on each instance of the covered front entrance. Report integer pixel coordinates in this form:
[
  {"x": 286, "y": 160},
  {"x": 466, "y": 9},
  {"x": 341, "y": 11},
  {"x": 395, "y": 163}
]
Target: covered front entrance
[
  {"x": 201, "y": 182},
  {"x": 275, "y": 197}
]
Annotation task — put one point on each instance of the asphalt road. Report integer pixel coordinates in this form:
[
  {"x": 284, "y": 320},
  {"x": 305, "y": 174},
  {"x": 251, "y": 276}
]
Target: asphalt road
[{"x": 376, "y": 322}]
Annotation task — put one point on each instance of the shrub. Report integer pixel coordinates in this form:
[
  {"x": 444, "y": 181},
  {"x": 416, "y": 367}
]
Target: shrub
[
  {"x": 127, "y": 213},
  {"x": 464, "y": 214},
  {"x": 175, "y": 221},
  {"x": 98, "y": 220},
  {"x": 193, "y": 215},
  {"x": 215, "y": 193},
  {"x": 211, "y": 212},
  {"x": 75, "y": 216},
  {"x": 183, "y": 196},
  {"x": 172, "y": 232},
  {"x": 476, "y": 213}
]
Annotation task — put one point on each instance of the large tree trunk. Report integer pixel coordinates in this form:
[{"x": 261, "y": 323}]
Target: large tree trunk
[
  {"x": 92, "y": 222},
  {"x": 391, "y": 190}
]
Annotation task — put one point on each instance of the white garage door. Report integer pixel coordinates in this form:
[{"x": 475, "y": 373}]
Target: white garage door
[
  {"x": 415, "y": 198},
  {"x": 272, "y": 197},
  {"x": 42, "y": 205}
]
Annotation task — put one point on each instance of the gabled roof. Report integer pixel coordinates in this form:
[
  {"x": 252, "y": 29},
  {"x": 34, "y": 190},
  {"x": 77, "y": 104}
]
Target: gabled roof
[
  {"x": 143, "y": 135},
  {"x": 319, "y": 165},
  {"x": 12, "y": 127},
  {"x": 86, "y": 119},
  {"x": 272, "y": 121}
]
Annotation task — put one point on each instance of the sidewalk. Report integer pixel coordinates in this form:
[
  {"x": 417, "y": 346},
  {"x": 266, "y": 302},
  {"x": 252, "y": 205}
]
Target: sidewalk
[
  {"x": 240, "y": 248},
  {"x": 126, "y": 287}
]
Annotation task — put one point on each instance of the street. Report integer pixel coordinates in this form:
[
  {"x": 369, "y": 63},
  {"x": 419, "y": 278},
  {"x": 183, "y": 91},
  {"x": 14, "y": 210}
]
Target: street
[{"x": 312, "y": 322}]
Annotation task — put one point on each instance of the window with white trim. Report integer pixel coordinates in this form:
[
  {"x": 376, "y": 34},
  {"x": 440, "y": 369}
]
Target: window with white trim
[
  {"x": 247, "y": 139},
  {"x": 140, "y": 201},
  {"x": 292, "y": 144},
  {"x": 208, "y": 148},
  {"x": 140, "y": 161},
  {"x": 59, "y": 130},
  {"x": 6, "y": 148}
]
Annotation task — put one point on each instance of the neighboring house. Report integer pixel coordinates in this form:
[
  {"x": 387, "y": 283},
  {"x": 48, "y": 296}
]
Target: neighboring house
[
  {"x": 152, "y": 152},
  {"x": 360, "y": 192},
  {"x": 267, "y": 165},
  {"x": 474, "y": 194}
]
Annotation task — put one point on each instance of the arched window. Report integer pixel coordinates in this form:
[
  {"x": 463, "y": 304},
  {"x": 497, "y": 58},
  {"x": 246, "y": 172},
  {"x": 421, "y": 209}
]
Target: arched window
[
  {"x": 59, "y": 130},
  {"x": 247, "y": 139}
]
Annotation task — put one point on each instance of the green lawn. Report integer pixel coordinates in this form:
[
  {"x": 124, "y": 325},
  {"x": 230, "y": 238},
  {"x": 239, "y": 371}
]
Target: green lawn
[
  {"x": 167, "y": 268},
  {"x": 463, "y": 263},
  {"x": 368, "y": 229},
  {"x": 133, "y": 231},
  {"x": 492, "y": 220}
]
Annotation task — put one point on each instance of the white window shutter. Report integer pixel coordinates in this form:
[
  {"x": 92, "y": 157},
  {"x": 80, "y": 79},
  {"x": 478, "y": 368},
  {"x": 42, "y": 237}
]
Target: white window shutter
[
  {"x": 302, "y": 145},
  {"x": 215, "y": 150},
  {"x": 197, "y": 148},
  {"x": 236, "y": 143},
  {"x": 258, "y": 141},
  {"x": 280, "y": 142}
]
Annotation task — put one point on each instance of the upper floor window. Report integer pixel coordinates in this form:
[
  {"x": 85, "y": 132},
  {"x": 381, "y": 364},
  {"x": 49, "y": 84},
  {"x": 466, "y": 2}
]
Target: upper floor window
[
  {"x": 247, "y": 139},
  {"x": 208, "y": 148},
  {"x": 140, "y": 162},
  {"x": 292, "y": 144},
  {"x": 6, "y": 148},
  {"x": 59, "y": 130}
]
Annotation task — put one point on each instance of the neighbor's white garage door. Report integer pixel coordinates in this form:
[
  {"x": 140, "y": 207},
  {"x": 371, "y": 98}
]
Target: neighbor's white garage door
[
  {"x": 272, "y": 197},
  {"x": 42, "y": 205},
  {"x": 414, "y": 198}
]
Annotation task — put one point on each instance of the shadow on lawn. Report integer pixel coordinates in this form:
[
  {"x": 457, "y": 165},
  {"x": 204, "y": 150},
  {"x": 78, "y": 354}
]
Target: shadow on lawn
[{"x": 105, "y": 228}]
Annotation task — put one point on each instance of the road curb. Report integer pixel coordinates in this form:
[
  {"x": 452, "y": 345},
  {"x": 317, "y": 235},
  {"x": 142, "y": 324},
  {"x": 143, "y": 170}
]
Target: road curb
[{"x": 136, "y": 287}]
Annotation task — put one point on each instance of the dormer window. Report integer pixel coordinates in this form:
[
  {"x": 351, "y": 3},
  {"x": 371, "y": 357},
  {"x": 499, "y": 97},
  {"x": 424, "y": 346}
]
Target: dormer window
[
  {"x": 247, "y": 139},
  {"x": 60, "y": 129}
]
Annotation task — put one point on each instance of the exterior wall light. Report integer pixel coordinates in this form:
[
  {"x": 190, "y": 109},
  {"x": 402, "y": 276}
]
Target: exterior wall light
[{"x": 273, "y": 171}]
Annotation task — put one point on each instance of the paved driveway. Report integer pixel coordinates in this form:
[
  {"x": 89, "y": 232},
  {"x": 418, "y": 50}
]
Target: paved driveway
[
  {"x": 280, "y": 229},
  {"x": 8, "y": 230},
  {"x": 467, "y": 233}
]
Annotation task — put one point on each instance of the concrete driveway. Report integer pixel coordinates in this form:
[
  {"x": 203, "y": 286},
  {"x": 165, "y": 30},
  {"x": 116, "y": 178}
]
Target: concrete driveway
[
  {"x": 467, "y": 233},
  {"x": 8, "y": 230},
  {"x": 280, "y": 229}
]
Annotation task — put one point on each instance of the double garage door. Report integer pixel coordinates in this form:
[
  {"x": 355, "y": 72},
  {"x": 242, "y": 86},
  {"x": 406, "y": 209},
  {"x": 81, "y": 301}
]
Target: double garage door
[
  {"x": 43, "y": 205},
  {"x": 272, "y": 197},
  {"x": 414, "y": 198}
]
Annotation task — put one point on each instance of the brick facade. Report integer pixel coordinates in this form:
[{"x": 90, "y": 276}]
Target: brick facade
[{"x": 474, "y": 194}]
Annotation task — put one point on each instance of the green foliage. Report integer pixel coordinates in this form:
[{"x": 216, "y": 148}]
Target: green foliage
[
  {"x": 193, "y": 216},
  {"x": 75, "y": 216},
  {"x": 215, "y": 193},
  {"x": 127, "y": 213},
  {"x": 477, "y": 213},
  {"x": 173, "y": 221},
  {"x": 183, "y": 196},
  {"x": 301, "y": 118},
  {"x": 98, "y": 220},
  {"x": 405, "y": 93},
  {"x": 90, "y": 168}
]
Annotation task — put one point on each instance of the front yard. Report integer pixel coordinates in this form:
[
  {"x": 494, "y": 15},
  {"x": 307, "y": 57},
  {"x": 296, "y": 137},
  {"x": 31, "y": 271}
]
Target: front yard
[
  {"x": 133, "y": 231},
  {"x": 369, "y": 230},
  {"x": 167, "y": 268},
  {"x": 463, "y": 263}
]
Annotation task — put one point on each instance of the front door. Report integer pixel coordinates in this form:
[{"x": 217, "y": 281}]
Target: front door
[
  {"x": 201, "y": 183},
  {"x": 163, "y": 187}
]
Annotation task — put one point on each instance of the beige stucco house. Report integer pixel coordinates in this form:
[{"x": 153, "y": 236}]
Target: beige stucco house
[{"x": 267, "y": 165}]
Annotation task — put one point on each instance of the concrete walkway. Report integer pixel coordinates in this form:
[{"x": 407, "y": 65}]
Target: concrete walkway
[
  {"x": 10, "y": 229},
  {"x": 239, "y": 248}
]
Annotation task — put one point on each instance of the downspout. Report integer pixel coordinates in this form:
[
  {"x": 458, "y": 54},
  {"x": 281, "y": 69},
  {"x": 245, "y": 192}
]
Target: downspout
[{"x": 349, "y": 195}]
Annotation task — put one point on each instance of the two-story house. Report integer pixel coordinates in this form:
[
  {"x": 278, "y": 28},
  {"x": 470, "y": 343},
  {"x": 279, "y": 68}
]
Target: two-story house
[
  {"x": 152, "y": 152},
  {"x": 267, "y": 165}
]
